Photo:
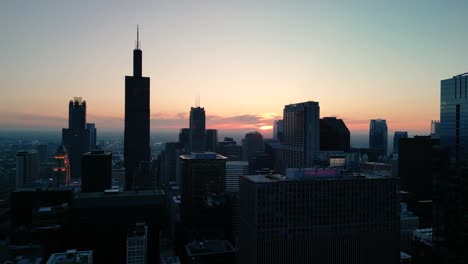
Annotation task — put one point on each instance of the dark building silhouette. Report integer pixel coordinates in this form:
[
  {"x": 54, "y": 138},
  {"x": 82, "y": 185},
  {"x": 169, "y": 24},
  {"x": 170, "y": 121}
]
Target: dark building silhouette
[
  {"x": 278, "y": 130},
  {"x": 414, "y": 168},
  {"x": 252, "y": 144},
  {"x": 396, "y": 139},
  {"x": 378, "y": 136},
  {"x": 210, "y": 252},
  {"x": 184, "y": 137},
  {"x": 197, "y": 129},
  {"x": 203, "y": 184},
  {"x": 453, "y": 115},
  {"x": 301, "y": 134},
  {"x": 97, "y": 171},
  {"x": 334, "y": 134},
  {"x": 450, "y": 200},
  {"x": 61, "y": 170},
  {"x": 27, "y": 167},
  {"x": 318, "y": 216},
  {"x": 211, "y": 140},
  {"x": 169, "y": 160},
  {"x": 76, "y": 136},
  {"x": 137, "y": 119},
  {"x": 92, "y": 135},
  {"x": 229, "y": 148}
]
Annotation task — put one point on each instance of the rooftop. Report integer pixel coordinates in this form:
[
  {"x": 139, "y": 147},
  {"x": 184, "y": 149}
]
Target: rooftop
[
  {"x": 203, "y": 156},
  {"x": 208, "y": 247},
  {"x": 72, "y": 257}
]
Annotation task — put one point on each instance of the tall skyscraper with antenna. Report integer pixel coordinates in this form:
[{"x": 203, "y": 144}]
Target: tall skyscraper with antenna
[{"x": 137, "y": 118}]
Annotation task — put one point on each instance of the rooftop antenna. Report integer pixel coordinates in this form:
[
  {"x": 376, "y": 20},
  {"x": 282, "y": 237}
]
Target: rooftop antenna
[{"x": 138, "y": 37}]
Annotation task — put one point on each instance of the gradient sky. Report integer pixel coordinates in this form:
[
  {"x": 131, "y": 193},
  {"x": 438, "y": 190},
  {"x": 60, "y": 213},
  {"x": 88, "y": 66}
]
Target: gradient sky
[{"x": 245, "y": 59}]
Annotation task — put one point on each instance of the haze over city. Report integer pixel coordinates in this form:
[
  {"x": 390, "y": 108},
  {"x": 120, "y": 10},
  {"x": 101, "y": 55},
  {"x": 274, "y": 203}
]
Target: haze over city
[{"x": 245, "y": 60}]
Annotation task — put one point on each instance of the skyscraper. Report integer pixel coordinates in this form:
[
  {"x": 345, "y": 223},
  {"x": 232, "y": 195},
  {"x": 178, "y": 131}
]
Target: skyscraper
[
  {"x": 378, "y": 136},
  {"x": 137, "y": 243},
  {"x": 278, "y": 131},
  {"x": 396, "y": 139},
  {"x": 137, "y": 119},
  {"x": 252, "y": 144},
  {"x": 318, "y": 216},
  {"x": 92, "y": 135},
  {"x": 301, "y": 134},
  {"x": 211, "y": 140},
  {"x": 97, "y": 171},
  {"x": 184, "y": 138},
  {"x": 235, "y": 169},
  {"x": 76, "y": 136},
  {"x": 454, "y": 114},
  {"x": 197, "y": 129},
  {"x": 61, "y": 170},
  {"x": 334, "y": 134},
  {"x": 27, "y": 167},
  {"x": 435, "y": 128}
]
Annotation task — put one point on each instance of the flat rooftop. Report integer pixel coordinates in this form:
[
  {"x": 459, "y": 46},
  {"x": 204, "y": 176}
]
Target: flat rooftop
[
  {"x": 208, "y": 247},
  {"x": 117, "y": 198},
  {"x": 203, "y": 156},
  {"x": 270, "y": 178},
  {"x": 72, "y": 256}
]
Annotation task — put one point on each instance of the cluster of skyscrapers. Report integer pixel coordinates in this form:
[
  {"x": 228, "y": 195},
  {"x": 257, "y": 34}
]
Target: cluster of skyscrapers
[{"x": 303, "y": 196}]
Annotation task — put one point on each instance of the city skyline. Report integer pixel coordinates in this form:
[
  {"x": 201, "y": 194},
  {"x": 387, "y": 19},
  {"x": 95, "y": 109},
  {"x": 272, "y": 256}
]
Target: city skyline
[{"x": 245, "y": 60}]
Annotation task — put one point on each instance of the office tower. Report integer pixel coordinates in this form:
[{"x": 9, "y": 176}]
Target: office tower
[
  {"x": 169, "y": 160},
  {"x": 453, "y": 113},
  {"x": 137, "y": 243},
  {"x": 274, "y": 149},
  {"x": 450, "y": 209},
  {"x": 184, "y": 138},
  {"x": 378, "y": 136},
  {"x": 76, "y": 136},
  {"x": 334, "y": 134},
  {"x": 301, "y": 134},
  {"x": 230, "y": 149},
  {"x": 197, "y": 129},
  {"x": 27, "y": 167},
  {"x": 251, "y": 145},
  {"x": 211, "y": 140},
  {"x": 203, "y": 183},
  {"x": 435, "y": 128},
  {"x": 97, "y": 171},
  {"x": 318, "y": 216},
  {"x": 235, "y": 169},
  {"x": 414, "y": 168},
  {"x": 61, "y": 170},
  {"x": 396, "y": 139},
  {"x": 92, "y": 135},
  {"x": 72, "y": 256},
  {"x": 137, "y": 119},
  {"x": 278, "y": 131},
  {"x": 42, "y": 151}
]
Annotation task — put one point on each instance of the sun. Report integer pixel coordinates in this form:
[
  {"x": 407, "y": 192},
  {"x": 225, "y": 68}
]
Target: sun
[{"x": 265, "y": 127}]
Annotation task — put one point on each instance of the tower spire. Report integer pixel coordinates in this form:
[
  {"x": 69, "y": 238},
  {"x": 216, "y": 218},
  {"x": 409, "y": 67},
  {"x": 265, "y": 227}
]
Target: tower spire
[{"x": 138, "y": 37}]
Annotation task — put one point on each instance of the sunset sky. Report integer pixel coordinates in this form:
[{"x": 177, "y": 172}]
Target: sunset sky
[{"x": 244, "y": 59}]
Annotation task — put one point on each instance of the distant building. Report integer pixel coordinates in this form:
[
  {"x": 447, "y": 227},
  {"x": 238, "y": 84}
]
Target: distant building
[
  {"x": 278, "y": 130},
  {"x": 197, "y": 129},
  {"x": 184, "y": 138},
  {"x": 27, "y": 167},
  {"x": 301, "y": 134},
  {"x": 396, "y": 139},
  {"x": 210, "y": 252},
  {"x": 76, "y": 136},
  {"x": 318, "y": 216},
  {"x": 435, "y": 128},
  {"x": 97, "y": 171},
  {"x": 453, "y": 115},
  {"x": 71, "y": 257},
  {"x": 137, "y": 244},
  {"x": 378, "y": 136},
  {"x": 61, "y": 170},
  {"x": 334, "y": 134},
  {"x": 252, "y": 144},
  {"x": 211, "y": 140},
  {"x": 230, "y": 149},
  {"x": 92, "y": 135},
  {"x": 274, "y": 148}
]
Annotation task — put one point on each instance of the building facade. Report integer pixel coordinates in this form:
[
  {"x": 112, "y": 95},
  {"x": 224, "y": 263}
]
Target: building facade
[
  {"x": 251, "y": 145},
  {"x": 97, "y": 171},
  {"x": 301, "y": 134},
  {"x": 211, "y": 140},
  {"x": 378, "y": 136},
  {"x": 396, "y": 139},
  {"x": 27, "y": 167},
  {"x": 197, "y": 129},
  {"x": 334, "y": 135}
]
